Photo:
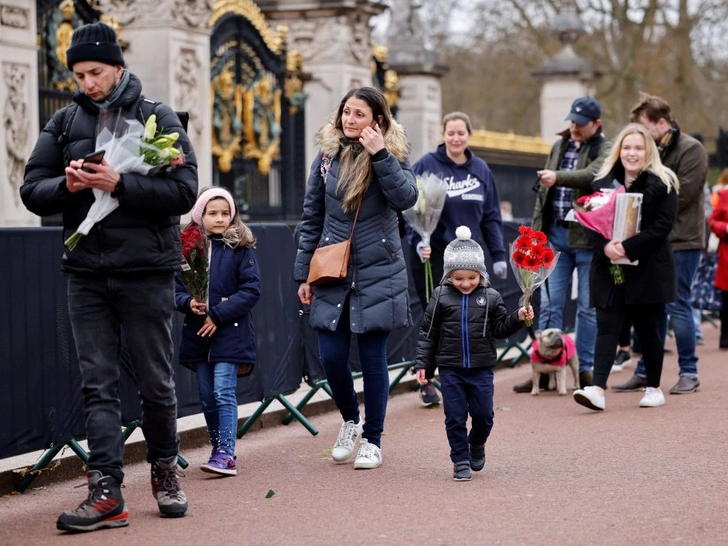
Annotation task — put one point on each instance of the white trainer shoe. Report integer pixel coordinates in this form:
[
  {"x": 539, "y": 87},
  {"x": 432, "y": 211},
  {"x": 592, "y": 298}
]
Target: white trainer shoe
[
  {"x": 653, "y": 398},
  {"x": 369, "y": 456},
  {"x": 591, "y": 397},
  {"x": 346, "y": 440}
]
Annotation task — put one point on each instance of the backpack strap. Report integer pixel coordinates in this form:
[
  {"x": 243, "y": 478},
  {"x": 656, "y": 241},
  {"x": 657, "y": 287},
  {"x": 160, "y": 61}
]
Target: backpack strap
[{"x": 68, "y": 116}]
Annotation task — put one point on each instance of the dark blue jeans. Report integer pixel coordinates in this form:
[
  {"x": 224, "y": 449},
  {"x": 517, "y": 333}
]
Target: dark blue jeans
[
  {"x": 334, "y": 355},
  {"x": 553, "y": 296},
  {"x": 216, "y": 384},
  {"x": 140, "y": 306},
  {"x": 680, "y": 312},
  {"x": 467, "y": 391}
]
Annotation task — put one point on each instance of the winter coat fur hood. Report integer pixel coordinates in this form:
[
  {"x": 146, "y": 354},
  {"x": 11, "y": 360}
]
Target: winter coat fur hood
[
  {"x": 330, "y": 140},
  {"x": 373, "y": 296}
]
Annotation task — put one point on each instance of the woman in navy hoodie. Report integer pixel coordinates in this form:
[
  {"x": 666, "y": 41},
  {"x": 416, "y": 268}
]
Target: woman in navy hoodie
[
  {"x": 218, "y": 340},
  {"x": 472, "y": 200}
]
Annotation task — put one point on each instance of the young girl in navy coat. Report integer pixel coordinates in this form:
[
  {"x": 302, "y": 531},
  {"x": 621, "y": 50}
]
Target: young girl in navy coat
[{"x": 218, "y": 340}]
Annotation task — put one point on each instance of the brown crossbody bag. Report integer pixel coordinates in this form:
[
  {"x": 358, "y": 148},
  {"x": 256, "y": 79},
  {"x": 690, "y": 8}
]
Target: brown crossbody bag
[{"x": 329, "y": 263}]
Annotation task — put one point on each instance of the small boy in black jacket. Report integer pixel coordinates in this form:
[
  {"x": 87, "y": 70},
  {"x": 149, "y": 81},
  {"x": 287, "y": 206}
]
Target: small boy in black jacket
[{"x": 462, "y": 320}]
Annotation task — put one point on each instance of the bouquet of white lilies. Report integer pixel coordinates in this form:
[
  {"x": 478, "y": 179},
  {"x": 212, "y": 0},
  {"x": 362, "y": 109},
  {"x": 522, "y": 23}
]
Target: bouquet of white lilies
[
  {"x": 130, "y": 147},
  {"x": 425, "y": 214}
]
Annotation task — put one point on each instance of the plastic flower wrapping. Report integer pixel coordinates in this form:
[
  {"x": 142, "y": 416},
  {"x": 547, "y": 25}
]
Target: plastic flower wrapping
[
  {"x": 425, "y": 214},
  {"x": 130, "y": 148},
  {"x": 195, "y": 273},
  {"x": 596, "y": 212},
  {"x": 532, "y": 260}
]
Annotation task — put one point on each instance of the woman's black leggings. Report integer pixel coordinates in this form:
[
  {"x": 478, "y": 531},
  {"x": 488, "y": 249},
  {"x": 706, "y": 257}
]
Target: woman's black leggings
[{"x": 646, "y": 321}]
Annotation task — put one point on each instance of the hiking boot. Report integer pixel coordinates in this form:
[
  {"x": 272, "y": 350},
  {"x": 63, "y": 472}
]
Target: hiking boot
[
  {"x": 526, "y": 386},
  {"x": 104, "y": 507},
  {"x": 346, "y": 440},
  {"x": 653, "y": 398},
  {"x": 633, "y": 384},
  {"x": 591, "y": 397},
  {"x": 428, "y": 395},
  {"x": 623, "y": 359},
  {"x": 685, "y": 385},
  {"x": 220, "y": 463},
  {"x": 477, "y": 457},
  {"x": 369, "y": 456},
  {"x": 171, "y": 500},
  {"x": 461, "y": 472}
]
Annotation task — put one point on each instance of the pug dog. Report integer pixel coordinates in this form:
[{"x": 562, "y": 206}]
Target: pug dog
[{"x": 552, "y": 351}]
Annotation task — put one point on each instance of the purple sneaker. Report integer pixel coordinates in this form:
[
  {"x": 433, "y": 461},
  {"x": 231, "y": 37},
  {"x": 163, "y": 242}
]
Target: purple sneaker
[{"x": 220, "y": 463}]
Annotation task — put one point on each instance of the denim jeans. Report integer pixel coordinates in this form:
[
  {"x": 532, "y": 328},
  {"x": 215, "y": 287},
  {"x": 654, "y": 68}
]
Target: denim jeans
[
  {"x": 466, "y": 391},
  {"x": 216, "y": 384},
  {"x": 681, "y": 315},
  {"x": 552, "y": 309},
  {"x": 334, "y": 355},
  {"x": 141, "y": 308}
]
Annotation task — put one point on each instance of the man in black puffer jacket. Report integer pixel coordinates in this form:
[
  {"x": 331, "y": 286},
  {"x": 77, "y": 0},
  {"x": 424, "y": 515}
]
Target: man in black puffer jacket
[{"x": 120, "y": 275}]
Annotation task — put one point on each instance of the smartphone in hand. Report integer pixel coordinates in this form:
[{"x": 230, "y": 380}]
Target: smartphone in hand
[{"x": 94, "y": 157}]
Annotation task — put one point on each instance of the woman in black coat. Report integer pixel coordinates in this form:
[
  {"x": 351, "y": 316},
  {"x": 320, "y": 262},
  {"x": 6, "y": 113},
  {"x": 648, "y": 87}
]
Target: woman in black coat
[
  {"x": 362, "y": 162},
  {"x": 634, "y": 162}
]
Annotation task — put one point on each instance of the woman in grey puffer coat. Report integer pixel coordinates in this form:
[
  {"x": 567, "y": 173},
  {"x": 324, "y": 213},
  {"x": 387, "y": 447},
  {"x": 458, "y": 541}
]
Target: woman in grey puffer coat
[{"x": 362, "y": 159}]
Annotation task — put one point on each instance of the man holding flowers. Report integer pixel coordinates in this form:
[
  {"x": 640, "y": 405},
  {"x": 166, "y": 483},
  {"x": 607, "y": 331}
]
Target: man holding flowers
[
  {"x": 569, "y": 172},
  {"x": 120, "y": 275}
]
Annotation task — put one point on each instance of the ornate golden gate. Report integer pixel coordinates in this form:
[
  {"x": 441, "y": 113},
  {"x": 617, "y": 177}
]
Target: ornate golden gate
[{"x": 257, "y": 125}]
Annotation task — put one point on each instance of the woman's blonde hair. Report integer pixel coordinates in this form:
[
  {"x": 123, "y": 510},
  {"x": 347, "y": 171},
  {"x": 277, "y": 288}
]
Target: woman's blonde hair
[
  {"x": 355, "y": 164},
  {"x": 653, "y": 163}
]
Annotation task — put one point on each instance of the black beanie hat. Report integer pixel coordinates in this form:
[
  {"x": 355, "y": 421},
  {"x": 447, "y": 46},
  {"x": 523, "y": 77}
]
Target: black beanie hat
[{"x": 94, "y": 42}]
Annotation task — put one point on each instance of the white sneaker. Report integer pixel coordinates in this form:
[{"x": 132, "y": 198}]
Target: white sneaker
[
  {"x": 346, "y": 440},
  {"x": 369, "y": 456},
  {"x": 653, "y": 398},
  {"x": 591, "y": 397}
]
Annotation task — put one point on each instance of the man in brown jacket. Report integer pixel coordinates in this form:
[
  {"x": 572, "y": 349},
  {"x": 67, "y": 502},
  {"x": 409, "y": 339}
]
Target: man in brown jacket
[{"x": 686, "y": 156}]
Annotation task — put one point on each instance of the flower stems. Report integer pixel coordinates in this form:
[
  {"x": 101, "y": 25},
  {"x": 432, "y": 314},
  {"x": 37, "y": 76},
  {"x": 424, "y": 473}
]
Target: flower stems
[{"x": 429, "y": 283}]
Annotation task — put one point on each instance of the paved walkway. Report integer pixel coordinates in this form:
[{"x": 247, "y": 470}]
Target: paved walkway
[{"x": 557, "y": 473}]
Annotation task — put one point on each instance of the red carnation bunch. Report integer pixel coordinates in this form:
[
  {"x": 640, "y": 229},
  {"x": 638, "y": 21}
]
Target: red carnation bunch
[
  {"x": 195, "y": 267},
  {"x": 532, "y": 260}
]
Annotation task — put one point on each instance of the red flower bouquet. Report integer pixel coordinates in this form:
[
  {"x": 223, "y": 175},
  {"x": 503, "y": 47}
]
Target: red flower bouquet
[
  {"x": 195, "y": 267},
  {"x": 532, "y": 260}
]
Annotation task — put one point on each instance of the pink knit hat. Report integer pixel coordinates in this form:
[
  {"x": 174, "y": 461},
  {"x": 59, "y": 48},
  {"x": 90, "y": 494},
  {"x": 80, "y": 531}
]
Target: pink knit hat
[{"x": 205, "y": 197}]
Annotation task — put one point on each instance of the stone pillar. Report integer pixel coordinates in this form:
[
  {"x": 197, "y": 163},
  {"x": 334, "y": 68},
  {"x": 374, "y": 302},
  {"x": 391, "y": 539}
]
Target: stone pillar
[
  {"x": 19, "y": 103},
  {"x": 420, "y": 101},
  {"x": 565, "y": 77},
  {"x": 334, "y": 39},
  {"x": 169, "y": 50}
]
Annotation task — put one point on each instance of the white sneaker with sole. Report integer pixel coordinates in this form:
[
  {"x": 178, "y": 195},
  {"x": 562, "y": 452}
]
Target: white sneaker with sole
[
  {"x": 346, "y": 440},
  {"x": 369, "y": 456},
  {"x": 653, "y": 398},
  {"x": 591, "y": 397}
]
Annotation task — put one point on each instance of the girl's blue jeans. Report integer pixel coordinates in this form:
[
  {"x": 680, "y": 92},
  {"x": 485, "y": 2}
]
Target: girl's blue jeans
[
  {"x": 216, "y": 383},
  {"x": 334, "y": 355}
]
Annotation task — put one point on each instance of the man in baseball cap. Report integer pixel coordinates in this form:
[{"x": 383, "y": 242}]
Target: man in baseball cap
[{"x": 574, "y": 160}]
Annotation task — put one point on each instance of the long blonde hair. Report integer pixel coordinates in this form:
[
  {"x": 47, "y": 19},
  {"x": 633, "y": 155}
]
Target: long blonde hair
[
  {"x": 355, "y": 163},
  {"x": 653, "y": 163}
]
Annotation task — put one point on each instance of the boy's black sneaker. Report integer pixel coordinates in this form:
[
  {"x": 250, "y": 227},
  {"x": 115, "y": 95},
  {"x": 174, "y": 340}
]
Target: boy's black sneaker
[
  {"x": 104, "y": 507},
  {"x": 171, "y": 500},
  {"x": 461, "y": 472},
  {"x": 477, "y": 457}
]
